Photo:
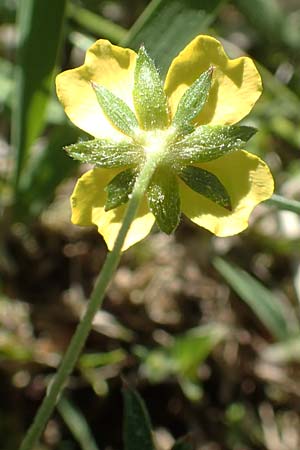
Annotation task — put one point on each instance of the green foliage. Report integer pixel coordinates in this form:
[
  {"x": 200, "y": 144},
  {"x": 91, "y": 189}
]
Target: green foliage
[
  {"x": 176, "y": 21},
  {"x": 41, "y": 267},
  {"x": 182, "y": 358},
  {"x": 137, "y": 428},
  {"x": 45, "y": 173},
  {"x": 261, "y": 300},
  {"x": 40, "y": 32},
  {"x": 77, "y": 424}
]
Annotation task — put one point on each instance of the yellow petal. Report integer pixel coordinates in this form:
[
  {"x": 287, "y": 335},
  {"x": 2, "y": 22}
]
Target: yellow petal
[
  {"x": 88, "y": 200},
  {"x": 236, "y": 84},
  {"x": 248, "y": 181},
  {"x": 107, "y": 65}
]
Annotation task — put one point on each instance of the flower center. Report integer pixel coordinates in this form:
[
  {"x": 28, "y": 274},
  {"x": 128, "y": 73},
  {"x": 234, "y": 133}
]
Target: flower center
[{"x": 156, "y": 141}]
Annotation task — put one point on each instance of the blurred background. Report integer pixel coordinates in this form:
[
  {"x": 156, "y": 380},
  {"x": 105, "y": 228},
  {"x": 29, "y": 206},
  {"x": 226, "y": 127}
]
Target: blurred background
[{"x": 206, "y": 329}]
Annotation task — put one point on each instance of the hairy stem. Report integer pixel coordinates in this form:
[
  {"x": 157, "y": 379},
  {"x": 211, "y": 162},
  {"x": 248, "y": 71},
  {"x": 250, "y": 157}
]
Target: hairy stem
[{"x": 82, "y": 331}]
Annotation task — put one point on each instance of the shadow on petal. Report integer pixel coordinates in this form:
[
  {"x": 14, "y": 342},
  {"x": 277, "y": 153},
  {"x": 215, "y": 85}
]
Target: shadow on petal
[
  {"x": 248, "y": 181},
  {"x": 88, "y": 201}
]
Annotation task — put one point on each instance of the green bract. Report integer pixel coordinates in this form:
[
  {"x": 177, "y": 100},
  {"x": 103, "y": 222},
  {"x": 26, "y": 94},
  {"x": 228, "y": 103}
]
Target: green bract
[{"x": 176, "y": 146}]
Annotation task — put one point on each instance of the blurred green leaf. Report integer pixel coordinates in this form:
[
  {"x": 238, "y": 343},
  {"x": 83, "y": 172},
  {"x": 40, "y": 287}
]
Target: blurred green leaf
[
  {"x": 40, "y": 30},
  {"x": 166, "y": 26},
  {"x": 77, "y": 424},
  {"x": 95, "y": 24},
  {"x": 182, "y": 358},
  {"x": 6, "y": 71},
  {"x": 262, "y": 301},
  {"x": 89, "y": 360},
  {"x": 137, "y": 427},
  {"x": 266, "y": 16},
  {"x": 12, "y": 348},
  {"x": 45, "y": 173}
]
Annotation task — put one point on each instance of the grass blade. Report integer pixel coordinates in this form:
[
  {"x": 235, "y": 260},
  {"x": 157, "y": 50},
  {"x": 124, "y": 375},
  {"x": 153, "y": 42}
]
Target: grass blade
[
  {"x": 176, "y": 21},
  {"x": 77, "y": 424},
  {"x": 46, "y": 172},
  {"x": 95, "y": 24},
  {"x": 262, "y": 302},
  {"x": 40, "y": 27}
]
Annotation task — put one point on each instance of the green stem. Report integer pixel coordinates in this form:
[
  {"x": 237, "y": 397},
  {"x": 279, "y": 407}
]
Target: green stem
[{"x": 78, "y": 340}]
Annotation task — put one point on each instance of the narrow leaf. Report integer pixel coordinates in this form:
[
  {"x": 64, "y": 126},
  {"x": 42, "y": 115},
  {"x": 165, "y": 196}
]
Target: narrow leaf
[
  {"x": 149, "y": 99},
  {"x": 95, "y": 24},
  {"x": 40, "y": 31},
  {"x": 210, "y": 142},
  {"x": 263, "y": 303},
  {"x": 77, "y": 424},
  {"x": 47, "y": 170},
  {"x": 207, "y": 184},
  {"x": 120, "y": 188},
  {"x": 116, "y": 110},
  {"x": 164, "y": 201},
  {"x": 193, "y": 100},
  {"x": 177, "y": 21},
  {"x": 137, "y": 427},
  {"x": 105, "y": 153}
]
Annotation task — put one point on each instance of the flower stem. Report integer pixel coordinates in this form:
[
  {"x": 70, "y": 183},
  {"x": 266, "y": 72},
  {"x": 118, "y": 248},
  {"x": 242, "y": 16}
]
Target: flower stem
[{"x": 82, "y": 331}]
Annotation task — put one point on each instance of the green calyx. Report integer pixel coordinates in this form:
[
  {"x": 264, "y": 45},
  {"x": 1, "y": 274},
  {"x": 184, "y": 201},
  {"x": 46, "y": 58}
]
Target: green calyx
[{"x": 176, "y": 147}]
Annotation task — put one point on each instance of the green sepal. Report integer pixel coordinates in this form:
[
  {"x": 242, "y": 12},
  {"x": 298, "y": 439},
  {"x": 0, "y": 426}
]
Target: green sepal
[
  {"x": 193, "y": 100},
  {"x": 137, "y": 427},
  {"x": 119, "y": 188},
  {"x": 210, "y": 142},
  {"x": 116, "y": 110},
  {"x": 206, "y": 184},
  {"x": 105, "y": 153},
  {"x": 149, "y": 99},
  {"x": 163, "y": 199}
]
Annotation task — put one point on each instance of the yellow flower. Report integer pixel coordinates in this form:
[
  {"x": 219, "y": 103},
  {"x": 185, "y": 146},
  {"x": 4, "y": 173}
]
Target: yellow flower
[{"x": 241, "y": 180}]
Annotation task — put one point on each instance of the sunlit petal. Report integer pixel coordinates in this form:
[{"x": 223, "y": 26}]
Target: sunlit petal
[
  {"x": 236, "y": 83},
  {"x": 107, "y": 65},
  {"x": 88, "y": 200}
]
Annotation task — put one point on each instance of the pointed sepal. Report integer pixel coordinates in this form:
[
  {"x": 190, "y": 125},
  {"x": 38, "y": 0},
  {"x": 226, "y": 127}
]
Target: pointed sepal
[
  {"x": 149, "y": 98},
  {"x": 207, "y": 143},
  {"x": 116, "y": 110},
  {"x": 163, "y": 199},
  {"x": 193, "y": 100},
  {"x": 206, "y": 184},
  {"x": 105, "y": 153},
  {"x": 119, "y": 188}
]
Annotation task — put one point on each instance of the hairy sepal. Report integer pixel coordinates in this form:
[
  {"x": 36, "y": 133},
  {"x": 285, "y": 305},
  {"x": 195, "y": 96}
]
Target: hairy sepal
[
  {"x": 206, "y": 184},
  {"x": 105, "y": 153},
  {"x": 119, "y": 188},
  {"x": 207, "y": 143},
  {"x": 116, "y": 110}
]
